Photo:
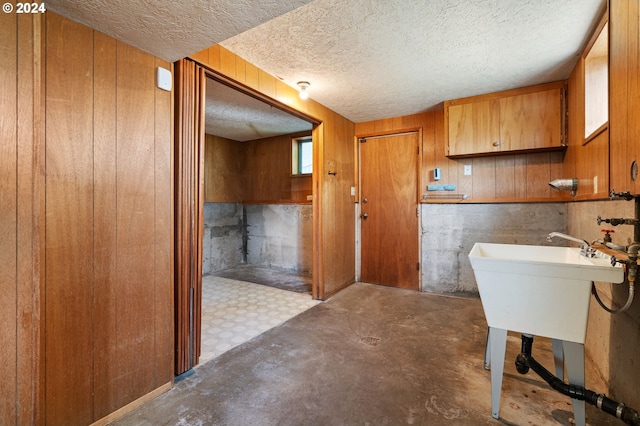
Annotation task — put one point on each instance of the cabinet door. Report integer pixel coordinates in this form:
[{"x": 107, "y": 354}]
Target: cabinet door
[
  {"x": 474, "y": 127},
  {"x": 531, "y": 120}
]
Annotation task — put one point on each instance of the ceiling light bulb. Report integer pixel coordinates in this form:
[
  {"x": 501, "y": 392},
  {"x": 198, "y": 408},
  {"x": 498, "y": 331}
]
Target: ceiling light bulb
[{"x": 303, "y": 85}]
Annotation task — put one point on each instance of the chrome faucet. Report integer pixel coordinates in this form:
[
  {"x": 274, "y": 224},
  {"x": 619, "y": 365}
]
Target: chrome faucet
[{"x": 585, "y": 249}]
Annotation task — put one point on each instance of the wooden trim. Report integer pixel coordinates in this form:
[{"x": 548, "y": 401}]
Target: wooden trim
[
  {"x": 503, "y": 153},
  {"x": 561, "y": 84},
  {"x": 249, "y": 91},
  {"x": 316, "y": 190},
  {"x": 189, "y": 201},
  {"x": 132, "y": 406},
  {"x": 604, "y": 18},
  {"x": 596, "y": 133}
]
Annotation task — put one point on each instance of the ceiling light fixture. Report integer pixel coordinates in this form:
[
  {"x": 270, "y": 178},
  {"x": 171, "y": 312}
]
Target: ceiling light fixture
[{"x": 303, "y": 85}]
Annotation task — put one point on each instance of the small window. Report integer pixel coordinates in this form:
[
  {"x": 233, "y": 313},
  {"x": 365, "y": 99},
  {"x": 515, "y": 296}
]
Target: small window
[
  {"x": 302, "y": 156},
  {"x": 596, "y": 85}
]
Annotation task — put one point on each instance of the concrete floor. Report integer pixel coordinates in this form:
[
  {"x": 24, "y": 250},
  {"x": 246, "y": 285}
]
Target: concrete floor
[{"x": 371, "y": 355}]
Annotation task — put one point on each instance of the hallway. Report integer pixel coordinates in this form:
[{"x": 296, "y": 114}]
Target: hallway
[{"x": 369, "y": 355}]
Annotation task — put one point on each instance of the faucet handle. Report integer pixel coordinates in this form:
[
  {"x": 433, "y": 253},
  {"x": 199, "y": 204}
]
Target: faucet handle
[{"x": 599, "y": 220}]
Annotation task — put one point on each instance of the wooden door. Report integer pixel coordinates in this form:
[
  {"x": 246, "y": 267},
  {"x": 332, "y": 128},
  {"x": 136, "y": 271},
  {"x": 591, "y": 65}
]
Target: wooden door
[{"x": 389, "y": 210}]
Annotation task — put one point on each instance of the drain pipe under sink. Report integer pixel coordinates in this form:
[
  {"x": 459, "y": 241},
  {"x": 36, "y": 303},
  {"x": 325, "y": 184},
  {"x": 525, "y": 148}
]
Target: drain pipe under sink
[{"x": 525, "y": 361}]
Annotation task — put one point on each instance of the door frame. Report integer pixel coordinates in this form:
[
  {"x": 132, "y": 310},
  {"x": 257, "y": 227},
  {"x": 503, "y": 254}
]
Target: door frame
[
  {"x": 190, "y": 90},
  {"x": 358, "y": 180}
]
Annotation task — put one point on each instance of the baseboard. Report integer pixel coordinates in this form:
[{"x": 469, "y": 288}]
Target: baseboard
[{"x": 132, "y": 406}]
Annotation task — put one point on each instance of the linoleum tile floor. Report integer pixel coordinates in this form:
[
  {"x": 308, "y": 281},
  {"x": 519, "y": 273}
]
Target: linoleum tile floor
[{"x": 234, "y": 312}]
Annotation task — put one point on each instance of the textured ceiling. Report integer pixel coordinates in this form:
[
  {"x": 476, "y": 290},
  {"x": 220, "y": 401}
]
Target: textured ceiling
[
  {"x": 172, "y": 29},
  {"x": 365, "y": 59},
  {"x": 234, "y": 115},
  {"x": 374, "y": 59}
]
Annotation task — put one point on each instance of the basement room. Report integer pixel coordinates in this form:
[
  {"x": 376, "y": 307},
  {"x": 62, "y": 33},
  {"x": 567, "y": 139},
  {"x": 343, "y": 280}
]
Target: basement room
[{"x": 320, "y": 212}]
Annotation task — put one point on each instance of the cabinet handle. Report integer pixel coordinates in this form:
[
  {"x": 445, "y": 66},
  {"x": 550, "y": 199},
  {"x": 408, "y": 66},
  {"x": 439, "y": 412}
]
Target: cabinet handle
[{"x": 497, "y": 143}]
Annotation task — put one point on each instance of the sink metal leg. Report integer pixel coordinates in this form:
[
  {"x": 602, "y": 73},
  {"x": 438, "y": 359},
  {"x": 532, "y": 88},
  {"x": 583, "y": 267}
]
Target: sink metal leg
[
  {"x": 558, "y": 358},
  {"x": 497, "y": 346},
  {"x": 487, "y": 351},
  {"x": 574, "y": 355}
]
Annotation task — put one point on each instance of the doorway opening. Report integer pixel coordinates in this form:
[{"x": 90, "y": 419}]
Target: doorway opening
[{"x": 257, "y": 219}]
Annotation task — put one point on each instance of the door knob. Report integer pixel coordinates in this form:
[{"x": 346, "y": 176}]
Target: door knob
[{"x": 364, "y": 215}]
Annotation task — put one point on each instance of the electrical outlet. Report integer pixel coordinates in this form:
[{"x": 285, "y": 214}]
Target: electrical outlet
[{"x": 467, "y": 169}]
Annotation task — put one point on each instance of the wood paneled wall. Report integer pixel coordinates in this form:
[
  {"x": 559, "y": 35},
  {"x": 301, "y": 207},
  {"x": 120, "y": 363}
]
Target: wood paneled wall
[
  {"x": 255, "y": 171},
  {"x": 223, "y": 170},
  {"x": 333, "y": 210},
  {"x": 21, "y": 233},
  {"x": 109, "y": 225},
  {"x": 268, "y": 171},
  {"x": 505, "y": 178},
  {"x": 624, "y": 85}
]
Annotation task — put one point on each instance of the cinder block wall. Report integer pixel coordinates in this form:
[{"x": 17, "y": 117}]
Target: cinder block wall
[{"x": 449, "y": 232}]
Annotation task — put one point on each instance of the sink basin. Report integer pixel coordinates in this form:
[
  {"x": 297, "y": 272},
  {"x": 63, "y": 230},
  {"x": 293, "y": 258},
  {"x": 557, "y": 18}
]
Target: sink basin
[{"x": 540, "y": 290}]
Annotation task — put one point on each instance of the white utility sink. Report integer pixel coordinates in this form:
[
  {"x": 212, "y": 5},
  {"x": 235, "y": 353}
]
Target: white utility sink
[{"x": 539, "y": 290}]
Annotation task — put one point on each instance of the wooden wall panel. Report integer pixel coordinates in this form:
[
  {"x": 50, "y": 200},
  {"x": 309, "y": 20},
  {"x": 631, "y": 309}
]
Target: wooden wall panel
[
  {"x": 224, "y": 178},
  {"x": 8, "y": 213},
  {"x": 105, "y": 293},
  {"x": 21, "y": 226},
  {"x": 109, "y": 224},
  {"x": 135, "y": 223},
  {"x": 267, "y": 171},
  {"x": 164, "y": 260},
  {"x": 522, "y": 177},
  {"x": 69, "y": 223},
  {"x": 619, "y": 53}
]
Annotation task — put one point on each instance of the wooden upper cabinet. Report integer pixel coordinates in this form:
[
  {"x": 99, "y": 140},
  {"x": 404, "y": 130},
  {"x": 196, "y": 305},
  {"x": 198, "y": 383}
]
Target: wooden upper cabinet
[{"x": 527, "y": 119}]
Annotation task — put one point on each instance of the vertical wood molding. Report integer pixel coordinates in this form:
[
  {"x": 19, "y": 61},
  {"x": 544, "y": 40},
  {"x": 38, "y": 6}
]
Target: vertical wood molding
[
  {"x": 189, "y": 198},
  {"x": 21, "y": 228}
]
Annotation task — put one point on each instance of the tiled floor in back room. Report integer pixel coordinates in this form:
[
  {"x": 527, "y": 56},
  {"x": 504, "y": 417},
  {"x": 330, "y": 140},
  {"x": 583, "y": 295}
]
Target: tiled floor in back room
[{"x": 234, "y": 312}]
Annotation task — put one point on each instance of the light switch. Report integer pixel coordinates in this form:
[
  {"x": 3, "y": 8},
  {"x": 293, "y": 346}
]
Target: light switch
[{"x": 164, "y": 79}]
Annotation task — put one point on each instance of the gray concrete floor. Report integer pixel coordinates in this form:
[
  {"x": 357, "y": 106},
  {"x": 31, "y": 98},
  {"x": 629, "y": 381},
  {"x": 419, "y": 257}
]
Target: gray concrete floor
[{"x": 371, "y": 355}]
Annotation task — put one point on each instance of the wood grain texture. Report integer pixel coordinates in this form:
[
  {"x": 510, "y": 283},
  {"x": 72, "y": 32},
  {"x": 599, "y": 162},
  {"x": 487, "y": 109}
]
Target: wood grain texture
[
  {"x": 525, "y": 119},
  {"x": 105, "y": 344},
  {"x": 503, "y": 178},
  {"x": 389, "y": 170},
  {"x": 619, "y": 74},
  {"x": 9, "y": 224},
  {"x": 332, "y": 197},
  {"x": 473, "y": 127},
  {"x": 108, "y": 328},
  {"x": 135, "y": 223},
  {"x": 69, "y": 223},
  {"x": 223, "y": 177},
  {"x": 164, "y": 259},
  {"x": 531, "y": 120},
  {"x": 21, "y": 234}
]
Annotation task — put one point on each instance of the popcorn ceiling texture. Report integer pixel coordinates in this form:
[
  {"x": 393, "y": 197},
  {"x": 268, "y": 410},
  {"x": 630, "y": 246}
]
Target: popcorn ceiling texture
[
  {"x": 233, "y": 115},
  {"x": 172, "y": 29},
  {"x": 365, "y": 59},
  {"x": 374, "y": 59}
]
